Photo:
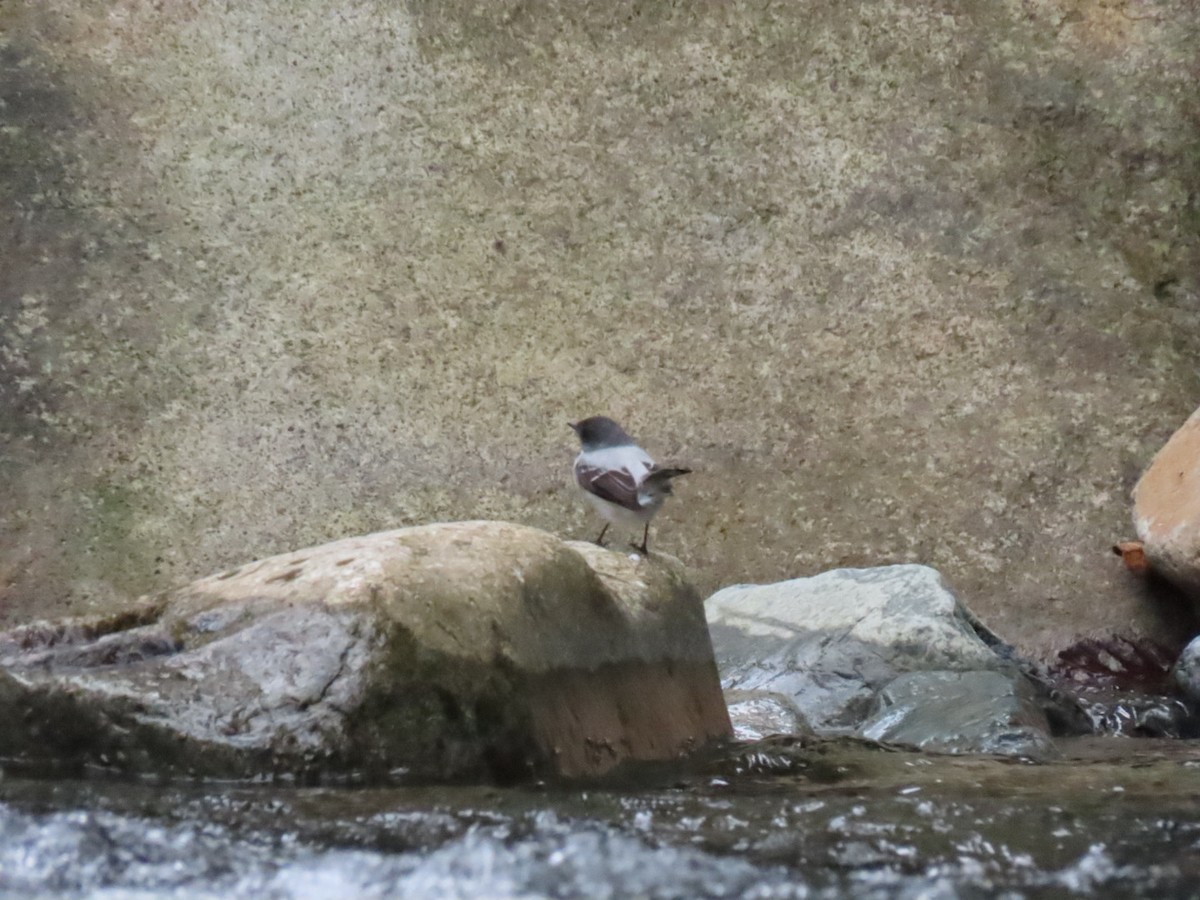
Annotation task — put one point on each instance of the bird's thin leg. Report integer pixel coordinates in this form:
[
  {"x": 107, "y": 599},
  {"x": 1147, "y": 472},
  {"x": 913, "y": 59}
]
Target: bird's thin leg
[
  {"x": 643, "y": 548},
  {"x": 600, "y": 539}
]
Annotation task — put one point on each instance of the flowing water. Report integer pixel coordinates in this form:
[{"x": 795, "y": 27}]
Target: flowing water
[{"x": 1116, "y": 817}]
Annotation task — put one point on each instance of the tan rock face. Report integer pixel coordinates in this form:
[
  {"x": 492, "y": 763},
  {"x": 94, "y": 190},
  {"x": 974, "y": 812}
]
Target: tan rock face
[
  {"x": 900, "y": 281},
  {"x": 1167, "y": 507},
  {"x": 475, "y": 649}
]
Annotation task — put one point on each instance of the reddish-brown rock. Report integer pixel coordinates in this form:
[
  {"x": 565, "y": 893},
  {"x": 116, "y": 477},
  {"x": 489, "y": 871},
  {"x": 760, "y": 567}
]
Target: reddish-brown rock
[{"x": 1167, "y": 507}]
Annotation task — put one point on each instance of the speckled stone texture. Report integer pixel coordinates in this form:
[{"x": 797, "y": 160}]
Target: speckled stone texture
[
  {"x": 901, "y": 281},
  {"x": 470, "y": 650}
]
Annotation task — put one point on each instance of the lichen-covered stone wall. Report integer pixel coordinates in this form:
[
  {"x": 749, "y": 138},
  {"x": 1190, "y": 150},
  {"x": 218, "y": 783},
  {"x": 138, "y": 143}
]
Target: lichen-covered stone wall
[{"x": 901, "y": 281}]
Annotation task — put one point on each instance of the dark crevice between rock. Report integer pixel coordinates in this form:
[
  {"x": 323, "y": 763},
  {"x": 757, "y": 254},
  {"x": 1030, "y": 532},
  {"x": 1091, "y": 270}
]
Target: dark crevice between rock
[
  {"x": 1124, "y": 686},
  {"x": 340, "y": 672},
  {"x": 61, "y": 731},
  {"x": 1002, "y": 648},
  {"x": 122, "y": 637},
  {"x": 1116, "y": 685}
]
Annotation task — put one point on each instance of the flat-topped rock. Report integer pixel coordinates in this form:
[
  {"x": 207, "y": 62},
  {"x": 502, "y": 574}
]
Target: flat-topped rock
[{"x": 462, "y": 650}]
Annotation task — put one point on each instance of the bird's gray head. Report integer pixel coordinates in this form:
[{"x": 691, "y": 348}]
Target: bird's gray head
[{"x": 598, "y": 432}]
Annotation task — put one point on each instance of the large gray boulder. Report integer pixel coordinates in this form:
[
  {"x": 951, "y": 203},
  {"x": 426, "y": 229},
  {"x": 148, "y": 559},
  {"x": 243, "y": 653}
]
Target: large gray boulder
[
  {"x": 830, "y": 642},
  {"x": 886, "y": 653},
  {"x": 465, "y": 650}
]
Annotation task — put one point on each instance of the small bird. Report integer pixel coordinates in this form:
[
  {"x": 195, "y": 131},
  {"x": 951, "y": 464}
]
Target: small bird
[{"x": 619, "y": 478}]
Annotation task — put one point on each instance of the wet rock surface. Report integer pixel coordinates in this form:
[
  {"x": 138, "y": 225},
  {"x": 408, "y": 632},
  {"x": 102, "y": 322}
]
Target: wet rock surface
[
  {"x": 892, "y": 654},
  {"x": 1121, "y": 687},
  {"x": 962, "y": 712},
  {"x": 759, "y": 714},
  {"x": 466, "y": 650},
  {"x": 889, "y": 649}
]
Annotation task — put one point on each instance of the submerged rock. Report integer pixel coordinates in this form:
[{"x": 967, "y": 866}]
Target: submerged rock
[
  {"x": 759, "y": 714},
  {"x": 1166, "y": 507},
  {"x": 465, "y": 650},
  {"x": 961, "y": 712},
  {"x": 1124, "y": 687}
]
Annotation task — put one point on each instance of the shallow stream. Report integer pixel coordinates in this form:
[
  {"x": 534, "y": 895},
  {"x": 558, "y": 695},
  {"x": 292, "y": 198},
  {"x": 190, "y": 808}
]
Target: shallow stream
[{"x": 1115, "y": 817}]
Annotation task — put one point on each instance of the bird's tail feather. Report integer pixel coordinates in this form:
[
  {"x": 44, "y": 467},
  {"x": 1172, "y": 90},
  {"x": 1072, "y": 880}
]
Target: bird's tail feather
[{"x": 660, "y": 479}]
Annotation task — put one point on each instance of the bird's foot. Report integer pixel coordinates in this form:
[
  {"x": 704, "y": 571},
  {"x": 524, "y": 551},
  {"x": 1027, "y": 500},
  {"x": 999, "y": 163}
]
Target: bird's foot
[{"x": 640, "y": 548}]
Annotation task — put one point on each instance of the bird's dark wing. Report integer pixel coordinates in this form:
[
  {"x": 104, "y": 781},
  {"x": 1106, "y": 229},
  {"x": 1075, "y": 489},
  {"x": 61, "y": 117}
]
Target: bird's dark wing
[{"x": 614, "y": 485}]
